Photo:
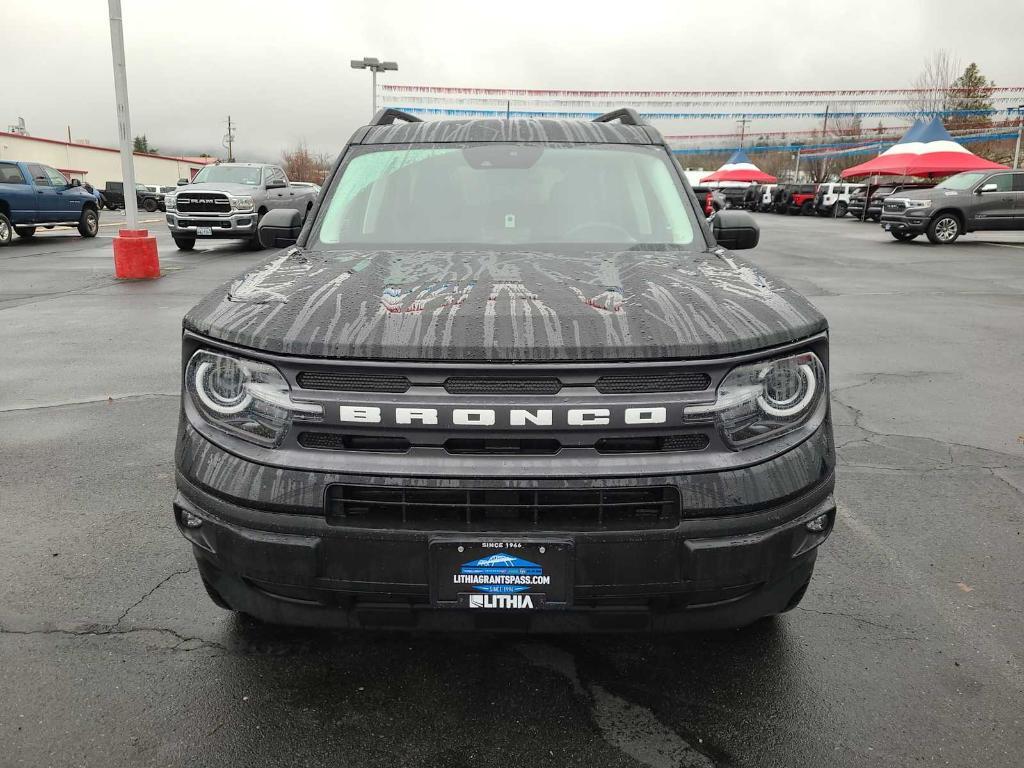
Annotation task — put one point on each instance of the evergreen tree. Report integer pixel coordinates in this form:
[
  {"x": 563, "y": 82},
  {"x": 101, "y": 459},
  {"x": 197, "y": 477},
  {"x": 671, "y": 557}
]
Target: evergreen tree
[{"x": 972, "y": 90}]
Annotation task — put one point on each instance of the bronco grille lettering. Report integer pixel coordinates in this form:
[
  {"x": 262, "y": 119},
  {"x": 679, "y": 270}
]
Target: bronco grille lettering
[{"x": 512, "y": 417}]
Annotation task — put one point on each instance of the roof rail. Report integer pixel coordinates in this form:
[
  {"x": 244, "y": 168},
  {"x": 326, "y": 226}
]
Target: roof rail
[
  {"x": 626, "y": 116},
  {"x": 387, "y": 116}
]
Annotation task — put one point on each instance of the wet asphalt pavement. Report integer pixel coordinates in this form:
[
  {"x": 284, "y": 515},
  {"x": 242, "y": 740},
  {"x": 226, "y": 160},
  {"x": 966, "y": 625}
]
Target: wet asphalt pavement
[{"x": 907, "y": 650}]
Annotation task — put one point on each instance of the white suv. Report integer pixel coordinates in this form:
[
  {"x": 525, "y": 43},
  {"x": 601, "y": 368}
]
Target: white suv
[{"x": 833, "y": 198}]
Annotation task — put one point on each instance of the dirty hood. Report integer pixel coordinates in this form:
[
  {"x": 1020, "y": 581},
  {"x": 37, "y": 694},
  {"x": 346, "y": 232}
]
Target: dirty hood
[{"x": 505, "y": 305}]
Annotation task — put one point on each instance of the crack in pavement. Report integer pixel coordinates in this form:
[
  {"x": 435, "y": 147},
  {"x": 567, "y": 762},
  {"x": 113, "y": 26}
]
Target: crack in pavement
[
  {"x": 184, "y": 642},
  {"x": 860, "y": 620},
  {"x": 632, "y": 728}
]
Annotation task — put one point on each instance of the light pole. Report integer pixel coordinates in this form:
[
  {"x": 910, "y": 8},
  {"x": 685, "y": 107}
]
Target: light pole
[
  {"x": 375, "y": 66},
  {"x": 1020, "y": 127},
  {"x": 124, "y": 126}
]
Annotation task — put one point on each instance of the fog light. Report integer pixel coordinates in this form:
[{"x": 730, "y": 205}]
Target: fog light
[
  {"x": 193, "y": 521},
  {"x": 817, "y": 525}
]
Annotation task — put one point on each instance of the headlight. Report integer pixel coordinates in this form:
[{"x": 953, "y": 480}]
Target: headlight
[
  {"x": 764, "y": 400},
  {"x": 919, "y": 203},
  {"x": 169, "y": 202},
  {"x": 246, "y": 398},
  {"x": 242, "y": 203}
]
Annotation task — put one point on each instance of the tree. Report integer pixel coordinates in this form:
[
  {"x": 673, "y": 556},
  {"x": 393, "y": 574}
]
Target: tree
[
  {"x": 933, "y": 84},
  {"x": 302, "y": 165},
  {"x": 141, "y": 144},
  {"x": 972, "y": 90}
]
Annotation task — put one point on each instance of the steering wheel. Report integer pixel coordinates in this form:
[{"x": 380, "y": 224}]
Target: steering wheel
[{"x": 605, "y": 225}]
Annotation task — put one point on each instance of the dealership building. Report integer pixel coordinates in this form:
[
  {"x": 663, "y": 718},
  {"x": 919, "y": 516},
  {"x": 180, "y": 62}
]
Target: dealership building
[{"x": 97, "y": 165}]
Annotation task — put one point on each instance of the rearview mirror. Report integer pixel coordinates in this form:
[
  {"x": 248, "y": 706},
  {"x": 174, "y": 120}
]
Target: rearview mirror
[
  {"x": 276, "y": 184},
  {"x": 990, "y": 187},
  {"x": 735, "y": 230},
  {"x": 280, "y": 228}
]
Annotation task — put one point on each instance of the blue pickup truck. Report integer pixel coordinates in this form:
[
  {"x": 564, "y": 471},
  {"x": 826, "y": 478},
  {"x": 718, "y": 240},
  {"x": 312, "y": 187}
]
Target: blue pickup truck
[{"x": 34, "y": 195}]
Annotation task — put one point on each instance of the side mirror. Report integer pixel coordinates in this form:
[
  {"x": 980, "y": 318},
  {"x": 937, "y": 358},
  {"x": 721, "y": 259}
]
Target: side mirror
[
  {"x": 990, "y": 187},
  {"x": 74, "y": 183},
  {"x": 277, "y": 184},
  {"x": 735, "y": 230},
  {"x": 280, "y": 228},
  {"x": 182, "y": 182}
]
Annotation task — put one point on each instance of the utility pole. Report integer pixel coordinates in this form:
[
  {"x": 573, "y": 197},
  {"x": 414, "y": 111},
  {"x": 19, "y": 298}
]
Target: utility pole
[
  {"x": 743, "y": 128},
  {"x": 824, "y": 129},
  {"x": 375, "y": 66},
  {"x": 796, "y": 171},
  {"x": 1020, "y": 129},
  {"x": 124, "y": 125},
  {"x": 229, "y": 140}
]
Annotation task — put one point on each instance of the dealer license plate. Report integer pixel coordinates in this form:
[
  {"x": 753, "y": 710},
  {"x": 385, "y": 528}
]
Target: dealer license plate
[
  {"x": 208, "y": 231},
  {"x": 501, "y": 574}
]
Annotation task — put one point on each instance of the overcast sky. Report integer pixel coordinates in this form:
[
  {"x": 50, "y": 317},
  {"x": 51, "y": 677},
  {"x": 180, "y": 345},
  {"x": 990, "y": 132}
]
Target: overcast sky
[{"x": 281, "y": 69}]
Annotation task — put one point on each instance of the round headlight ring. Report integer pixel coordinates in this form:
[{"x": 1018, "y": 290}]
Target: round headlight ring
[
  {"x": 206, "y": 388},
  {"x": 784, "y": 409}
]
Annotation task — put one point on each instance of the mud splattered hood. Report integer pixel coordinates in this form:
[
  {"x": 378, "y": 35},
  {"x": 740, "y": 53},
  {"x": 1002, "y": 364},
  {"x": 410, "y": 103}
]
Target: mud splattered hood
[{"x": 572, "y": 304}]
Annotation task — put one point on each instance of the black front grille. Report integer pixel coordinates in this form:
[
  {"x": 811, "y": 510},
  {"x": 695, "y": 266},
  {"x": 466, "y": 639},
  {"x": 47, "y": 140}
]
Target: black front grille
[
  {"x": 688, "y": 442},
  {"x": 331, "y": 441},
  {"x": 352, "y": 382},
  {"x": 624, "y": 383},
  {"x": 493, "y": 385},
  {"x": 894, "y": 206},
  {"x": 480, "y": 509},
  {"x": 202, "y": 202}
]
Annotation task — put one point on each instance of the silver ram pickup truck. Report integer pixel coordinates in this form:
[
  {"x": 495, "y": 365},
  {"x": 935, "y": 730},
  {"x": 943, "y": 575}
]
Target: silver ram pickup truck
[{"x": 228, "y": 200}]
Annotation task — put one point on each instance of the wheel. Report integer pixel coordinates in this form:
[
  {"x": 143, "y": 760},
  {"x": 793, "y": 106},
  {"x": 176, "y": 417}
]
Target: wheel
[
  {"x": 823, "y": 212},
  {"x": 149, "y": 205},
  {"x": 944, "y": 229},
  {"x": 25, "y": 232},
  {"x": 6, "y": 233},
  {"x": 841, "y": 209},
  {"x": 807, "y": 208},
  {"x": 875, "y": 216},
  {"x": 185, "y": 243},
  {"x": 903, "y": 237},
  {"x": 89, "y": 224}
]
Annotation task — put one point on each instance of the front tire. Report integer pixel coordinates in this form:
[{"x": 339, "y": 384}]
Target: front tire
[
  {"x": 904, "y": 237},
  {"x": 89, "y": 224},
  {"x": 841, "y": 209},
  {"x": 944, "y": 229},
  {"x": 6, "y": 231},
  {"x": 185, "y": 243},
  {"x": 25, "y": 232},
  {"x": 149, "y": 205}
]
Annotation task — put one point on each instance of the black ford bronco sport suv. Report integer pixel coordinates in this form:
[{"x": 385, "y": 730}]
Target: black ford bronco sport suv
[{"x": 505, "y": 376}]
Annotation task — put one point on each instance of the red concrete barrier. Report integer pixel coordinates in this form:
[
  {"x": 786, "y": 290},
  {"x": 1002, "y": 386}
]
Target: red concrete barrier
[{"x": 135, "y": 255}]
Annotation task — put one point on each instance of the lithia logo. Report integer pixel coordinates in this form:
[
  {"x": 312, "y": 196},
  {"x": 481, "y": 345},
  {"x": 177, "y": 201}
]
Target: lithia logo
[
  {"x": 500, "y": 601},
  {"x": 506, "y": 417}
]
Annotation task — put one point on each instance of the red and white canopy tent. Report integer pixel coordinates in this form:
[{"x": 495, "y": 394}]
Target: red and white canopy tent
[
  {"x": 739, "y": 168},
  {"x": 927, "y": 150}
]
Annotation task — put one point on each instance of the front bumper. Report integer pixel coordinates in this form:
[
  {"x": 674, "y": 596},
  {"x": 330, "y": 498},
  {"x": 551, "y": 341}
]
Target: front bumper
[
  {"x": 234, "y": 226},
  {"x": 267, "y": 548},
  {"x": 900, "y": 223}
]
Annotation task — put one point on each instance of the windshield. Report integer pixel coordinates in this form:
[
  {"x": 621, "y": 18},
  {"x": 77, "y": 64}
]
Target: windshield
[
  {"x": 230, "y": 174},
  {"x": 506, "y": 194},
  {"x": 962, "y": 180}
]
